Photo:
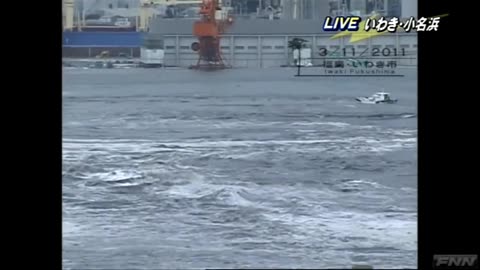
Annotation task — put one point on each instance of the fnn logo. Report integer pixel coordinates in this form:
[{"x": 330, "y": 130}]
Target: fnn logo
[{"x": 469, "y": 261}]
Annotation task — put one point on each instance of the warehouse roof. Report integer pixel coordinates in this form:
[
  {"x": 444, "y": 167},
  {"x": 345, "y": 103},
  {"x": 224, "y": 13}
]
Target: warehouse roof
[{"x": 241, "y": 27}]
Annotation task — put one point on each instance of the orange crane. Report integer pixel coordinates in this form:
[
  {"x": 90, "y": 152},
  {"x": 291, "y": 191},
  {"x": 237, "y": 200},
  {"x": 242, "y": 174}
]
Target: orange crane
[{"x": 208, "y": 30}]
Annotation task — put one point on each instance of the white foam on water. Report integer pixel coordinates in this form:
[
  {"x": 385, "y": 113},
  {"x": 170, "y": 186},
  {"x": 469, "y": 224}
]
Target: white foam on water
[
  {"x": 233, "y": 124},
  {"x": 403, "y": 132},
  {"x": 246, "y": 156},
  {"x": 334, "y": 229},
  {"x": 232, "y": 196},
  {"x": 407, "y": 189},
  {"x": 115, "y": 150},
  {"x": 73, "y": 123},
  {"x": 335, "y": 124},
  {"x": 70, "y": 228},
  {"x": 199, "y": 187},
  {"x": 113, "y": 176},
  {"x": 128, "y": 144},
  {"x": 73, "y": 140},
  {"x": 362, "y": 183},
  {"x": 127, "y": 184},
  {"x": 306, "y": 130},
  {"x": 196, "y": 187},
  {"x": 413, "y": 140},
  {"x": 140, "y": 146}
]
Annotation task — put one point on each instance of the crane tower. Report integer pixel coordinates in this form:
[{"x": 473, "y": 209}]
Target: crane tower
[{"x": 208, "y": 30}]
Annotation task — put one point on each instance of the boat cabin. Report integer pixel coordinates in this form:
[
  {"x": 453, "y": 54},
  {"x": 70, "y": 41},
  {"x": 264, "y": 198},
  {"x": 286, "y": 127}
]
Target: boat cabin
[{"x": 383, "y": 95}]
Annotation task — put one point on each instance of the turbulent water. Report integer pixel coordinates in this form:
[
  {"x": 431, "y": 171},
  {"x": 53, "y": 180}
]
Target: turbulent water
[{"x": 168, "y": 169}]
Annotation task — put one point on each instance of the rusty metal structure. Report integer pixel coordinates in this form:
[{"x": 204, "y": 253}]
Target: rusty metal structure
[{"x": 208, "y": 30}]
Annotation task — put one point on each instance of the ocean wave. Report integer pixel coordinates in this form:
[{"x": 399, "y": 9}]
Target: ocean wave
[
  {"x": 198, "y": 188},
  {"x": 128, "y": 144},
  {"x": 382, "y": 116},
  {"x": 355, "y": 185},
  {"x": 339, "y": 229}
]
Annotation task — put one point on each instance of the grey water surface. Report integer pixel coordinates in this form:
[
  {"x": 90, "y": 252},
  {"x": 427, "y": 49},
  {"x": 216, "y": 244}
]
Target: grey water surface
[{"x": 169, "y": 169}]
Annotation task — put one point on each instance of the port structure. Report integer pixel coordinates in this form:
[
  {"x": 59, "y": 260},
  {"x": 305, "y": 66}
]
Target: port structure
[
  {"x": 146, "y": 14},
  {"x": 208, "y": 29}
]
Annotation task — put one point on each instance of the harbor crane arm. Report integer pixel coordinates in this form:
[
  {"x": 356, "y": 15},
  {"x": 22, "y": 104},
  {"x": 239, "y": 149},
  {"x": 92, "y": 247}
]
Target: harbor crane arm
[{"x": 146, "y": 14}]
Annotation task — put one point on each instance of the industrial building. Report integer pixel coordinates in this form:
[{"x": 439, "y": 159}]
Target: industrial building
[
  {"x": 252, "y": 41},
  {"x": 264, "y": 43},
  {"x": 88, "y": 11}
]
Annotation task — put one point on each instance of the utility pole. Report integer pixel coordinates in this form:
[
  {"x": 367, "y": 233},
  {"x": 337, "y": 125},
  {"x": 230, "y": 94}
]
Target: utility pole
[{"x": 295, "y": 7}]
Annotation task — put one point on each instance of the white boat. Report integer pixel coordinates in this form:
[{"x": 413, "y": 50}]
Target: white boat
[{"x": 379, "y": 97}]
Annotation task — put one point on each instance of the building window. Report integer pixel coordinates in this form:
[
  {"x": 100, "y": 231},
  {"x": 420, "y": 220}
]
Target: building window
[
  {"x": 280, "y": 47},
  {"x": 405, "y": 46},
  {"x": 239, "y": 47},
  {"x": 394, "y": 8},
  {"x": 252, "y": 47},
  {"x": 225, "y": 47},
  {"x": 185, "y": 47},
  {"x": 266, "y": 47},
  {"x": 170, "y": 47}
]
